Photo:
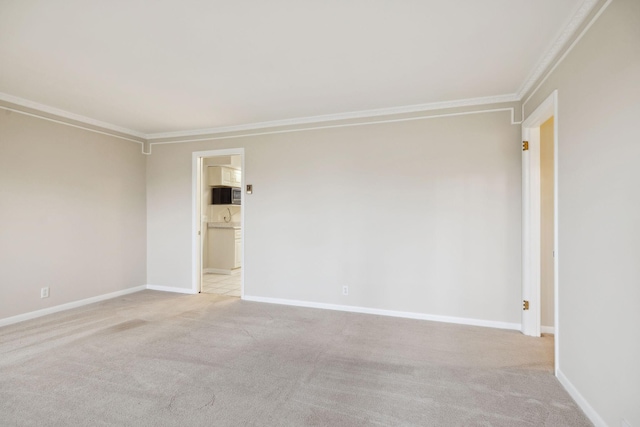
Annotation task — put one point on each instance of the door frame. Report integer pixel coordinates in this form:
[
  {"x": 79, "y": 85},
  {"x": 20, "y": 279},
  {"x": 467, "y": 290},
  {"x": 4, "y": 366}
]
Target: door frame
[
  {"x": 531, "y": 262},
  {"x": 196, "y": 196}
]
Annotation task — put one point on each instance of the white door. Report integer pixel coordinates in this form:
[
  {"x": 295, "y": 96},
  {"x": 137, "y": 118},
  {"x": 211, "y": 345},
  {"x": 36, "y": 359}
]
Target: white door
[{"x": 531, "y": 231}]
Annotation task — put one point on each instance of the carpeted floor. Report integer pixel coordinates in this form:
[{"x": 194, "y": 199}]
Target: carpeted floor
[{"x": 161, "y": 359}]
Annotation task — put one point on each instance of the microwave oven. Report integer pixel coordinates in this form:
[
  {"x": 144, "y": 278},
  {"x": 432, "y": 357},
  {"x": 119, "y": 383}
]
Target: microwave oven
[{"x": 226, "y": 196}]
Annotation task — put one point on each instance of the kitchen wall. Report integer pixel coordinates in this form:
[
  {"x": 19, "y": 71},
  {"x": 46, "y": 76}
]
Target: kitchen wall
[
  {"x": 418, "y": 216},
  {"x": 598, "y": 87},
  {"x": 72, "y": 214},
  {"x": 216, "y": 213}
]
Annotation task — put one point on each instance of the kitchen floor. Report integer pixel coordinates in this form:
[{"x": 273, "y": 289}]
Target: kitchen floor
[{"x": 222, "y": 284}]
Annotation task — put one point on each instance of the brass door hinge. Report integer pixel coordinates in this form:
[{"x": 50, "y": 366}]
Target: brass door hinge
[
  {"x": 525, "y": 145},
  {"x": 525, "y": 305}
]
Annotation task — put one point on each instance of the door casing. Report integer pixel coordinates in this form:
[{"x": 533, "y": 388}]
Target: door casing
[
  {"x": 197, "y": 232},
  {"x": 531, "y": 263}
]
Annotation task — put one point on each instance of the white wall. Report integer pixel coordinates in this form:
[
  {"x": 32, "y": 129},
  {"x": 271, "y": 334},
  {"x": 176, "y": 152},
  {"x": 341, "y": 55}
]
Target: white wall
[
  {"x": 599, "y": 213},
  {"x": 420, "y": 216},
  {"x": 72, "y": 214}
]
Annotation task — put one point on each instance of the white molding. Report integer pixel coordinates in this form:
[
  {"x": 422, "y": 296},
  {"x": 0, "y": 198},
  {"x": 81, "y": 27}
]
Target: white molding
[
  {"x": 548, "y": 330},
  {"x": 390, "y": 313},
  {"x": 589, "y": 411},
  {"x": 190, "y": 136},
  {"x": 556, "y": 240},
  {"x": 217, "y": 271},
  {"x": 542, "y": 112},
  {"x": 61, "y": 115},
  {"x": 170, "y": 289},
  {"x": 556, "y": 47},
  {"x": 68, "y": 306},
  {"x": 522, "y": 92},
  {"x": 305, "y": 129},
  {"x": 65, "y": 123},
  {"x": 67, "y": 115},
  {"x": 470, "y": 102}
]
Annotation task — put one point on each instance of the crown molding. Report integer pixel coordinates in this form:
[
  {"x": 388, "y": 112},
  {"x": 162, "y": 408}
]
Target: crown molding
[
  {"x": 470, "y": 102},
  {"x": 566, "y": 52},
  {"x": 262, "y": 131},
  {"x": 63, "y": 114},
  {"x": 575, "y": 22},
  {"x": 550, "y": 56}
]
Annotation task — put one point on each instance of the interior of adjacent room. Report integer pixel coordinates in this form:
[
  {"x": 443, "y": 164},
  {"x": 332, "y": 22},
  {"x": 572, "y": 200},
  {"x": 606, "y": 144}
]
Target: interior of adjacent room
[{"x": 221, "y": 213}]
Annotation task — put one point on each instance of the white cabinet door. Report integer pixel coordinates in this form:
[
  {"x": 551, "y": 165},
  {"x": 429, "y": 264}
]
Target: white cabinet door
[
  {"x": 224, "y": 248},
  {"x": 214, "y": 175},
  {"x": 237, "y": 178},
  {"x": 238, "y": 257},
  {"x": 227, "y": 177},
  {"x": 220, "y": 175},
  {"x": 221, "y": 248}
]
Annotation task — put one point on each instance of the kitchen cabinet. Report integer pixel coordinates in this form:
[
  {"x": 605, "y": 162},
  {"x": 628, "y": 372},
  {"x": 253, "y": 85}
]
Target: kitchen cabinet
[
  {"x": 224, "y": 246},
  {"x": 223, "y": 176},
  {"x": 238, "y": 249}
]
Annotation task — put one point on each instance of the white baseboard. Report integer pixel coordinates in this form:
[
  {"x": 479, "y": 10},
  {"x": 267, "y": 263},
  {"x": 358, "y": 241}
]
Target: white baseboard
[
  {"x": 391, "y": 313},
  {"x": 581, "y": 401},
  {"x": 170, "y": 289},
  {"x": 548, "y": 330},
  {"x": 68, "y": 306},
  {"x": 217, "y": 271}
]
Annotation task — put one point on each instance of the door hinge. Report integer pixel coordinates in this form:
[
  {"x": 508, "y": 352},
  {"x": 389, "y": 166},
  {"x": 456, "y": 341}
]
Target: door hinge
[
  {"x": 525, "y": 305},
  {"x": 525, "y": 145}
]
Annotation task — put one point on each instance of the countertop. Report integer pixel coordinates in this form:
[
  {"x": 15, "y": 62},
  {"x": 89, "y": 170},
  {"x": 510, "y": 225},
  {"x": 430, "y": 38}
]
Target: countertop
[{"x": 234, "y": 225}]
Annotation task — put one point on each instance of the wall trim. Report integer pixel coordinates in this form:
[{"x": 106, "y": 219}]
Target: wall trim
[
  {"x": 65, "y": 123},
  {"x": 390, "y": 313},
  {"x": 556, "y": 47},
  {"x": 589, "y": 411},
  {"x": 470, "y": 102},
  {"x": 217, "y": 271},
  {"x": 74, "y": 304},
  {"x": 170, "y": 289},
  {"x": 66, "y": 115},
  {"x": 305, "y": 129},
  {"x": 595, "y": 17},
  {"x": 208, "y": 134}
]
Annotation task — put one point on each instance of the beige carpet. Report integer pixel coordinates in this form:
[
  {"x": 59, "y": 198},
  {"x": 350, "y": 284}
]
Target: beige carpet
[{"x": 161, "y": 359}]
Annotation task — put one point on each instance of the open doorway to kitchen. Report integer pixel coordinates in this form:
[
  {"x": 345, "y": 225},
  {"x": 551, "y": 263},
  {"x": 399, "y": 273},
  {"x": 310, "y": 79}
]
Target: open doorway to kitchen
[
  {"x": 540, "y": 222},
  {"x": 218, "y": 219}
]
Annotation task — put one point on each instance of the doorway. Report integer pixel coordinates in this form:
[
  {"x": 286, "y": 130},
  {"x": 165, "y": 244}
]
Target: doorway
[
  {"x": 218, "y": 217},
  {"x": 540, "y": 222}
]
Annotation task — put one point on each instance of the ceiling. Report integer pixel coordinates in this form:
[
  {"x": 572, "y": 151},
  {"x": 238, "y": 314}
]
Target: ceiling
[{"x": 175, "y": 66}]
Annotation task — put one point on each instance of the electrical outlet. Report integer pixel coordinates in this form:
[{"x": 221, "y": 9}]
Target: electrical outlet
[
  {"x": 44, "y": 292},
  {"x": 345, "y": 290}
]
